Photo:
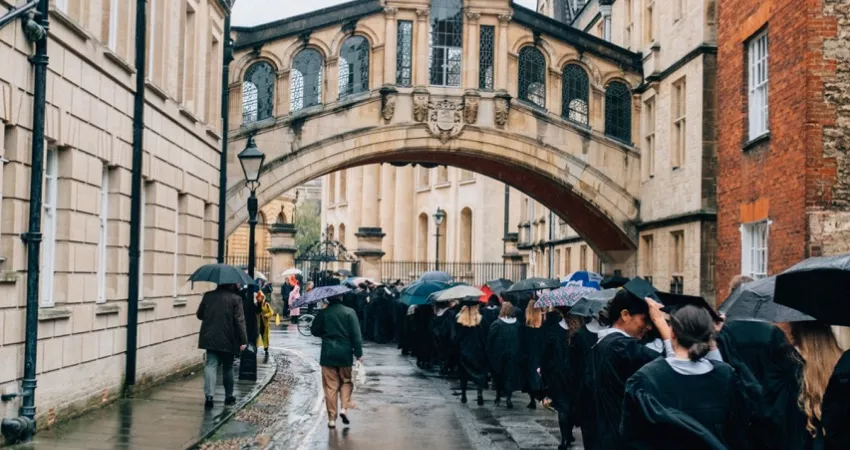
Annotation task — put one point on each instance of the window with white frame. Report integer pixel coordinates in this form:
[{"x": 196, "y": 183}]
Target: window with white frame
[
  {"x": 754, "y": 242},
  {"x": 103, "y": 238},
  {"x": 143, "y": 201},
  {"x": 175, "y": 280},
  {"x": 648, "y": 22},
  {"x": 677, "y": 262},
  {"x": 649, "y": 139},
  {"x": 630, "y": 25},
  {"x": 677, "y": 150},
  {"x": 757, "y": 104},
  {"x": 48, "y": 261}
]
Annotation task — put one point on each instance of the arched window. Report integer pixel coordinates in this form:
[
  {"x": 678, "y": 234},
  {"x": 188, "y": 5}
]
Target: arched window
[
  {"x": 618, "y": 112},
  {"x": 306, "y": 84},
  {"x": 444, "y": 238},
  {"x": 332, "y": 188},
  {"x": 466, "y": 235},
  {"x": 331, "y": 235},
  {"x": 341, "y": 238},
  {"x": 575, "y": 92},
  {"x": 446, "y": 50},
  {"x": 354, "y": 66},
  {"x": 258, "y": 92},
  {"x": 532, "y": 76},
  {"x": 422, "y": 238},
  {"x": 281, "y": 217}
]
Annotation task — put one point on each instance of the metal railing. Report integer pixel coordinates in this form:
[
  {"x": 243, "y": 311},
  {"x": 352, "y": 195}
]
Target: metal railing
[
  {"x": 473, "y": 273},
  {"x": 262, "y": 264}
]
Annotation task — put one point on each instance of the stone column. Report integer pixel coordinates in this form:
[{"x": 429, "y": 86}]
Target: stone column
[
  {"x": 330, "y": 93},
  {"x": 470, "y": 64},
  {"x": 404, "y": 238},
  {"x": 282, "y": 249},
  {"x": 369, "y": 234},
  {"x": 502, "y": 53},
  {"x": 605, "y": 12},
  {"x": 420, "y": 57},
  {"x": 387, "y": 212},
  {"x": 390, "y": 45}
]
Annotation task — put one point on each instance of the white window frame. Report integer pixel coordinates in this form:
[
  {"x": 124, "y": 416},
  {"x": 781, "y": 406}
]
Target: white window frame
[
  {"x": 755, "y": 243},
  {"x": 680, "y": 102},
  {"x": 175, "y": 281},
  {"x": 143, "y": 200},
  {"x": 48, "y": 249},
  {"x": 649, "y": 140},
  {"x": 757, "y": 85},
  {"x": 104, "y": 235},
  {"x": 112, "y": 40}
]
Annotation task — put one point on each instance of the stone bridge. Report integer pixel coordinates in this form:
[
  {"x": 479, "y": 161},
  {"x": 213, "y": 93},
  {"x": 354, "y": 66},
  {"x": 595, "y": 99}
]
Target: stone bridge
[{"x": 485, "y": 85}]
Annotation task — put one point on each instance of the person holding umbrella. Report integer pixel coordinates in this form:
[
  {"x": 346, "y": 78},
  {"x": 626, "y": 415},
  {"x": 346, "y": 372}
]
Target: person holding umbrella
[
  {"x": 339, "y": 329},
  {"x": 470, "y": 339}
]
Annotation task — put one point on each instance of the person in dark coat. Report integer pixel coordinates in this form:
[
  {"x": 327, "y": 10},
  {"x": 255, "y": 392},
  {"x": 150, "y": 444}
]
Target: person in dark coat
[
  {"x": 690, "y": 400},
  {"x": 441, "y": 334},
  {"x": 580, "y": 347},
  {"x": 558, "y": 372},
  {"x": 470, "y": 339},
  {"x": 285, "y": 289},
  {"x": 423, "y": 344},
  {"x": 616, "y": 357},
  {"x": 223, "y": 335},
  {"x": 383, "y": 314},
  {"x": 339, "y": 329},
  {"x": 835, "y": 414},
  {"x": 503, "y": 351},
  {"x": 533, "y": 339},
  {"x": 490, "y": 312}
]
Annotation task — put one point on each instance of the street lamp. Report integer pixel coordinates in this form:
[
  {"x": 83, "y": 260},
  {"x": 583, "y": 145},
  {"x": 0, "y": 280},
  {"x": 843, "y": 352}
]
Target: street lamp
[
  {"x": 251, "y": 160},
  {"x": 438, "y": 219}
]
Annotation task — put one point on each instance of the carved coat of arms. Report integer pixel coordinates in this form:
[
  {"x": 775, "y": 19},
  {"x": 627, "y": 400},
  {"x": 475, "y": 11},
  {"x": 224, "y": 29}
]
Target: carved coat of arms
[{"x": 445, "y": 119}]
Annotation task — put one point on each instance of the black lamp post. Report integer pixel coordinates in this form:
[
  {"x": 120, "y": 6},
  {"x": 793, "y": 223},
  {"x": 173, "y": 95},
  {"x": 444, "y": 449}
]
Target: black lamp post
[
  {"x": 251, "y": 160},
  {"x": 438, "y": 219}
]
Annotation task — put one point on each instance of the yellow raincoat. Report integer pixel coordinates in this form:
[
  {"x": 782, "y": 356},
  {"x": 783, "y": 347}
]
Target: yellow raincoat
[{"x": 264, "y": 316}]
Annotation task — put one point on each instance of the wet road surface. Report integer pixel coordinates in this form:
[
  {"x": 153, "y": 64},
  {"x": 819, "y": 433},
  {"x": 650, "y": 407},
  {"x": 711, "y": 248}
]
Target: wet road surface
[{"x": 404, "y": 407}]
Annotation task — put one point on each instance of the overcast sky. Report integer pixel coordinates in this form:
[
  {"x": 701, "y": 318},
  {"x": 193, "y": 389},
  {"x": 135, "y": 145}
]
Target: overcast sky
[{"x": 254, "y": 12}]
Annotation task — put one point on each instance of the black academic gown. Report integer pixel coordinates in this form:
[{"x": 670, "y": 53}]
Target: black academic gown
[
  {"x": 533, "y": 345},
  {"x": 836, "y": 407},
  {"x": 580, "y": 348},
  {"x": 556, "y": 369},
  {"x": 441, "y": 335},
  {"x": 471, "y": 344},
  {"x": 423, "y": 345},
  {"x": 489, "y": 315},
  {"x": 665, "y": 409},
  {"x": 503, "y": 352},
  {"x": 400, "y": 312},
  {"x": 614, "y": 360}
]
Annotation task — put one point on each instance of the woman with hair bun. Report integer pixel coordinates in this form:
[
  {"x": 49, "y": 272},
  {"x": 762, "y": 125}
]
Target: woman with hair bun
[{"x": 688, "y": 400}]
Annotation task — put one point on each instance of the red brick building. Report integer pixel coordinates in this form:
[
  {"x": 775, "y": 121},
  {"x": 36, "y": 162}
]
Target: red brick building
[{"x": 783, "y": 90}]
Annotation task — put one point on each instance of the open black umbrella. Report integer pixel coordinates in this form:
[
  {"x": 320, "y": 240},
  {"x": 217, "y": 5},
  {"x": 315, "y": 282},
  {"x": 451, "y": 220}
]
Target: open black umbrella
[
  {"x": 221, "y": 274},
  {"x": 499, "y": 285},
  {"x": 755, "y": 301},
  {"x": 535, "y": 284},
  {"x": 592, "y": 303},
  {"x": 818, "y": 286},
  {"x": 613, "y": 281}
]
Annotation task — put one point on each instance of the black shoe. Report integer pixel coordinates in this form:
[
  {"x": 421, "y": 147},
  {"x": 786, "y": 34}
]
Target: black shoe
[
  {"x": 480, "y": 400},
  {"x": 463, "y": 398},
  {"x": 208, "y": 405},
  {"x": 344, "y": 418},
  {"x": 509, "y": 404},
  {"x": 230, "y": 400}
]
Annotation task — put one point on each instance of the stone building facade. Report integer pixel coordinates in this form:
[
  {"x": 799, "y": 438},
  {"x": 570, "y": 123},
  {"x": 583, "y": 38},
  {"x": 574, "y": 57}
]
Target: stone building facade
[
  {"x": 82, "y": 322},
  {"x": 784, "y": 171}
]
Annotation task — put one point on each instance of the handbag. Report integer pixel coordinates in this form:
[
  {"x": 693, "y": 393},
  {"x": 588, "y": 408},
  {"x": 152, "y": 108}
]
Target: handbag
[{"x": 358, "y": 374}]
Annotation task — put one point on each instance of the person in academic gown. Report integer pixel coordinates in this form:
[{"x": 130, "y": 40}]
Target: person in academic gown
[
  {"x": 409, "y": 334},
  {"x": 470, "y": 339},
  {"x": 503, "y": 351},
  {"x": 441, "y": 334},
  {"x": 690, "y": 400},
  {"x": 558, "y": 373},
  {"x": 616, "y": 357},
  {"x": 580, "y": 347},
  {"x": 490, "y": 312},
  {"x": 423, "y": 344},
  {"x": 835, "y": 414},
  {"x": 383, "y": 312},
  {"x": 533, "y": 339}
]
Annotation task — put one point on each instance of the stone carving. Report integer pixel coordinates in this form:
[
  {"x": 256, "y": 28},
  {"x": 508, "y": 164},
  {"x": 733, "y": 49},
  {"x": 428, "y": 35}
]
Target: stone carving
[
  {"x": 422, "y": 14},
  {"x": 470, "y": 108},
  {"x": 390, "y": 11},
  {"x": 445, "y": 119},
  {"x": 420, "y": 105},
  {"x": 388, "y": 97},
  {"x": 472, "y": 16},
  {"x": 505, "y": 18},
  {"x": 502, "y": 109}
]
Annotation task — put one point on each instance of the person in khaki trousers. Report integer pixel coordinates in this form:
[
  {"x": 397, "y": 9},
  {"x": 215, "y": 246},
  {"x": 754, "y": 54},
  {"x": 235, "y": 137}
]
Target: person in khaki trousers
[{"x": 339, "y": 329}]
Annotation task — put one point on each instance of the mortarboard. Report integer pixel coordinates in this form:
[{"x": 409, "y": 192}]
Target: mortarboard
[
  {"x": 674, "y": 301},
  {"x": 641, "y": 289}
]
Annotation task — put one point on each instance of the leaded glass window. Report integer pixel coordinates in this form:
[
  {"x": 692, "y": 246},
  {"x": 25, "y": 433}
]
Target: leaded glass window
[
  {"x": 258, "y": 92},
  {"x": 446, "y": 49},
  {"x": 404, "y": 54},
  {"x": 532, "y": 76},
  {"x": 354, "y": 66},
  {"x": 485, "y": 58},
  {"x": 306, "y": 85},
  {"x": 618, "y": 112},
  {"x": 575, "y": 92}
]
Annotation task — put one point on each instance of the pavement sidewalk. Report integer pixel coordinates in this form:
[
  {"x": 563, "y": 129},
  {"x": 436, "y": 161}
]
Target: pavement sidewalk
[{"x": 167, "y": 416}]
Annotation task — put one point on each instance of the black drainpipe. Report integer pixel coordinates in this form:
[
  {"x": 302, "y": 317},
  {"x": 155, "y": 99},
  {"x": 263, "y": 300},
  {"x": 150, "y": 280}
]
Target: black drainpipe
[
  {"x": 507, "y": 229},
  {"x": 33, "y": 235},
  {"x": 135, "y": 199},
  {"x": 225, "y": 125}
]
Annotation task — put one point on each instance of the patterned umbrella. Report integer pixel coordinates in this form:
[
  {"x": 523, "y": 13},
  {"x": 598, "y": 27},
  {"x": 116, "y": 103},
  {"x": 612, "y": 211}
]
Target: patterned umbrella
[
  {"x": 318, "y": 294},
  {"x": 565, "y": 296}
]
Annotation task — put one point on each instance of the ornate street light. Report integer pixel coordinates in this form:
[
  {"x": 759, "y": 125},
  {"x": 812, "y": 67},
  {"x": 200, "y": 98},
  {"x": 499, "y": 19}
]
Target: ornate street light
[
  {"x": 438, "y": 219},
  {"x": 251, "y": 160}
]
